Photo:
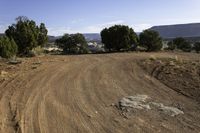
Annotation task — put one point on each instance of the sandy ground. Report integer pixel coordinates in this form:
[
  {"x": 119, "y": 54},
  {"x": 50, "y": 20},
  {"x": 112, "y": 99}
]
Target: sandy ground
[{"x": 62, "y": 94}]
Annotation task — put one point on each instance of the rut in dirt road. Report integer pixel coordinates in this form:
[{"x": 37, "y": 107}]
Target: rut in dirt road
[{"x": 75, "y": 94}]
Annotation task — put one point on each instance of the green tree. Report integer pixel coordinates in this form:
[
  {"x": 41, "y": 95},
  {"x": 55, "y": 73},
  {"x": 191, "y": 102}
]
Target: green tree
[
  {"x": 171, "y": 45},
  {"x": 61, "y": 42},
  {"x": 151, "y": 40},
  {"x": 197, "y": 47},
  {"x": 8, "y": 47},
  {"x": 73, "y": 44},
  {"x": 80, "y": 42},
  {"x": 182, "y": 44},
  {"x": 106, "y": 39},
  {"x": 27, "y": 34},
  {"x": 119, "y": 37},
  {"x": 42, "y": 37}
]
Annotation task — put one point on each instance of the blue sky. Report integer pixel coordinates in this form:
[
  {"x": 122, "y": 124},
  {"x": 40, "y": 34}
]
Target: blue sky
[{"x": 90, "y": 16}]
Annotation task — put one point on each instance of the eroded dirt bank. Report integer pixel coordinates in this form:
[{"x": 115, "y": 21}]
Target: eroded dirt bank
[{"x": 59, "y": 94}]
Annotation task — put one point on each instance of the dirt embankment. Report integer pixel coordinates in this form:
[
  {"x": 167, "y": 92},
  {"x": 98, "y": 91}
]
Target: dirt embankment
[{"x": 180, "y": 75}]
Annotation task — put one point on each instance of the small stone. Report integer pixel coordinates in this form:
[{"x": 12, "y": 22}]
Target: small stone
[
  {"x": 14, "y": 62},
  {"x": 34, "y": 67},
  {"x": 89, "y": 116},
  {"x": 112, "y": 104},
  {"x": 171, "y": 63},
  {"x": 115, "y": 120},
  {"x": 4, "y": 73}
]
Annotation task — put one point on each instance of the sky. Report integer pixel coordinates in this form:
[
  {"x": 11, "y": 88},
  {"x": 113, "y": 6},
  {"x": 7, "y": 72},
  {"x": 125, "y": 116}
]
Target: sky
[{"x": 91, "y": 16}]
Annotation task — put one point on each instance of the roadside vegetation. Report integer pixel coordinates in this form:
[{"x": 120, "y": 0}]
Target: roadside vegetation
[
  {"x": 183, "y": 45},
  {"x": 180, "y": 44},
  {"x": 27, "y": 35},
  {"x": 151, "y": 40},
  {"x": 73, "y": 44},
  {"x": 8, "y": 47},
  {"x": 26, "y": 38},
  {"x": 119, "y": 37},
  {"x": 197, "y": 47}
]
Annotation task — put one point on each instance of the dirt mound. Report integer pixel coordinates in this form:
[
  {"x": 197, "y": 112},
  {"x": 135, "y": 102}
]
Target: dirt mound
[{"x": 180, "y": 75}]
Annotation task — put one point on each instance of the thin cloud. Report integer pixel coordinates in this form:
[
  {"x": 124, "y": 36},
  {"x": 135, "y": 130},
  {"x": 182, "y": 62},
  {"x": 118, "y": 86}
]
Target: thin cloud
[
  {"x": 98, "y": 27},
  {"x": 141, "y": 27},
  {"x": 57, "y": 31},
  {"x": 75, "y": 21},
  {"x": 113, "y": 23}
]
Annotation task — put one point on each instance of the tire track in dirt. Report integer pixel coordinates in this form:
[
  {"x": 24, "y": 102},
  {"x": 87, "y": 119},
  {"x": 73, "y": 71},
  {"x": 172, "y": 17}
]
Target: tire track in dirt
[{"x": 75, "y": 96}]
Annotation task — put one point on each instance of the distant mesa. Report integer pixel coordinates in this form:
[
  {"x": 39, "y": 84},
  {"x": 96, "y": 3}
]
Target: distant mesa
[
  {"x": 92, "y": 37},
  {"x": 53, "y": 38},
  {"x": 191, "y": 30}
]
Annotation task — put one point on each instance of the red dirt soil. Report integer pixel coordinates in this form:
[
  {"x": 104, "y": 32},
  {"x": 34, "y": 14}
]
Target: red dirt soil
[{"x": 59, "y": 94}]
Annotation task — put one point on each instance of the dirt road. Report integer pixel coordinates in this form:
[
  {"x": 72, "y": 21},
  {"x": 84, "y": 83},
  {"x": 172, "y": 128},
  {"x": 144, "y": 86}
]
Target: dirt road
[{"x": 75, "y": 93}]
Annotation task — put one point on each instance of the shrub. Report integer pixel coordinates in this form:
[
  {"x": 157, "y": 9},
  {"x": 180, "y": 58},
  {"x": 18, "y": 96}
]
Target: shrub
[
  {"x": 8, "y": 47},
  {"x": 73, "y": 44},
  {"x": 151, "y": 40},
  {"x": 197, "y": 47},
  {"x": 171, "y": 45},
  {"x": 27, "y": 34},
  {"x": 182, "y": 44},
  {"x": 119, "y": 37},
  {"x": 37, "y": 51}
]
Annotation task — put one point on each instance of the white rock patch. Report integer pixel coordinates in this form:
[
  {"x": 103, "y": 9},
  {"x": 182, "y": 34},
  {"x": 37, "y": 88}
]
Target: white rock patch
[
  {"x": 137, "y": 102},
  {"x": 140, "y": 102},
  {"x": 168, "y": 110}
]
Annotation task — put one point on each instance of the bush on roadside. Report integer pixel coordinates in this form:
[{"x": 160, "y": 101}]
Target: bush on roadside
[
  {"x": 8, "y": 47},
  {"x": 27, "y": 34},
  {"x": 171, "y": 45},
  {"x": 38, "y": 50},
  {"x": 73, "y": 44},
  {"x": 197, "y": 47},
  {"x": 151, "y": 40},
  {"x": 119, "y": 37},
  {"x": 182, "y": 44}
]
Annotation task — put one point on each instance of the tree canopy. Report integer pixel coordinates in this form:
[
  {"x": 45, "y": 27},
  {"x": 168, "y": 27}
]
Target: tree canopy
[
  {"x": 151, "y": 40},
  {"x": 182, "y": 44},
  {"x": 171, "y": 45},
  {"x": 8, "y": 47},
  {"x": 73, "y": 44},
  {"x": 119, "y": 37},
  {"x": 197, "y": 47},
  {"x": 27, "y": 34}
]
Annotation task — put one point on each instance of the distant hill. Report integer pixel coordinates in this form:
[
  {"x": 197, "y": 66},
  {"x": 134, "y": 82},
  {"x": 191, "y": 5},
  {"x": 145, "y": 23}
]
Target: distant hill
[
  {"x": 92, "y": 37},
  {"x": 53, "y": 38},
  {"x": 180, "y": 30},
  {"x": 88, "y": 36}
]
